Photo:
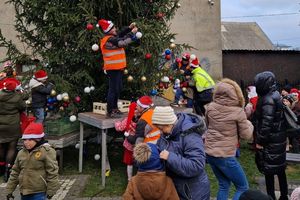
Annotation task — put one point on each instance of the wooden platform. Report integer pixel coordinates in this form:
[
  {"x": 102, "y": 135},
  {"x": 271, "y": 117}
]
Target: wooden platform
[{"x": 97, "y": 120}]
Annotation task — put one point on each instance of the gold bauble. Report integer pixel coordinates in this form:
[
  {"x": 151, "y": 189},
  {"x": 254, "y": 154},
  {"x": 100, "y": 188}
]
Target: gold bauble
[
  {"x": 66, "y": 98},
  {"x": 143, "y": 78},
  {"x": 129, "y": 78},
  {"x": 172, "y": 45},
  {"x": 184, "y": 89},
  {"x": 53, "y": 93},
  {"x": 125, "y": 71}
]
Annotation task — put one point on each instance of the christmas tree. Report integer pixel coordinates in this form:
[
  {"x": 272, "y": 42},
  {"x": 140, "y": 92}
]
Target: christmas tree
[{"x": 61, "y": 34}]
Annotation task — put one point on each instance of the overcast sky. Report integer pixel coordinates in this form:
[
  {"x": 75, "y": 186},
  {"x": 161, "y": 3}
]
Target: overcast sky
[{"x": 282, "y": 27}]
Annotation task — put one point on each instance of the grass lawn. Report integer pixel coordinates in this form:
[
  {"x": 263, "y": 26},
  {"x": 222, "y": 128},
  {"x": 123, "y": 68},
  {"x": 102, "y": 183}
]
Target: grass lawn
[{"x": 117, "y": 181}]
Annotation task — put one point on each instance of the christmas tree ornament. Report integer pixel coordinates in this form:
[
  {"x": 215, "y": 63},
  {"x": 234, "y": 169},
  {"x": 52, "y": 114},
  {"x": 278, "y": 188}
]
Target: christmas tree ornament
[
  {"x": 95, "y": 47},
  {"x": 160, "y": 15},
  {"x": 77, "y": 145},
  {"x": 52, "y": 93},
  {"x": 97, "y": 157},
  {"x": 73, "y": 118},
  {"x": 92, "y": 88},
  {"x": 125, "y": 71},
  {"x": 184, "y": 89},
  {"x": 89, "y": 26},
  {"x": 143, "y": 78},
  {"x": 138, "y": 35},
  {"x": 65, "y": 104},
  {"x": 178, "y": 5},
  {"x": 97, "y": 25},
  {"x": 61, "y": 108},
  {"x": 28, "y": 102},
  {"x": 153, "y": 92},
  {"x": 66, "y": 98},
  {"x": 172, "y": 45},
  {"x": 77, "y": 99},
  {"x": 168, "y": 57},
  {"x": 168, "y": 52},
  {"x": 129, "y": 78},
  {"x": 87, "y": 90},
  {"x": 49, "y": 101},
  {"x": 64, "y": 94},
  {"x": 161, "y": 85},
  {"x": 148, "y": 56},
  {"x": 59, "y": 97},
  {"x": 165, "y": 79},
  {"x": 51, "y": 107},
  {"x": 172, "y": 40}
]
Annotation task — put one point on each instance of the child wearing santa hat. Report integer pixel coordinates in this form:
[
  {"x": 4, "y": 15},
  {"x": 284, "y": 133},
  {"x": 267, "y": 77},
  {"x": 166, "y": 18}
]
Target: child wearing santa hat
[
  {"x": 204, "y": 85},
  {"x": 128, "y": 125},
  {"x": 40, "y": 89},
  {"x": 114, "y": 57},
  {"x": 35, "y": 169},
  {"x": 145, "y": 130}
]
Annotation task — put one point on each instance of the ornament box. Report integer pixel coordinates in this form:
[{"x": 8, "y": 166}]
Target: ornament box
[
  {"x": 101, "y": 108},
  {"x": 60, "y": 126}
]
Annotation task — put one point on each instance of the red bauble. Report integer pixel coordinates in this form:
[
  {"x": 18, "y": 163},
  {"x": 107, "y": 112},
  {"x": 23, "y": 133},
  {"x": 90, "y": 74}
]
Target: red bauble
[
  {"x": 178, "y": 60},
  {"x": 168, "y": 57},
  {"x": 148, "y": 56},
  {"x": 65, "y": 104},
  {"x": 160, "y": 15},
  {"x": 89, "y": 27},
  {"x": 161, "y": 85},
  {"x": 77, "y": 99},
  {"x": 171, "y": 78}
]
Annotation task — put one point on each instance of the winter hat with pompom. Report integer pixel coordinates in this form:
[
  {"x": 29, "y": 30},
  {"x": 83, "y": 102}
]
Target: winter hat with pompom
[{"x": 147, "y": 157}]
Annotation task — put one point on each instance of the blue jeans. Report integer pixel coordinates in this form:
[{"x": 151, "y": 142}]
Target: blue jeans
[
  {"x": 39, "y": 113},
  {"x": 179, "y": 93},
  {"x": 228, "y": 170},
  {"x": 36, "y": 196}
]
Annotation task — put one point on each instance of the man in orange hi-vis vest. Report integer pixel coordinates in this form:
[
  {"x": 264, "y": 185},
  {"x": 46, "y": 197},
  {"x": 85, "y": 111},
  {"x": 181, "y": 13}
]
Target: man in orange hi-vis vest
[
  {"x": 112, "y": 48},
  {"x": 145, "y": 131}
]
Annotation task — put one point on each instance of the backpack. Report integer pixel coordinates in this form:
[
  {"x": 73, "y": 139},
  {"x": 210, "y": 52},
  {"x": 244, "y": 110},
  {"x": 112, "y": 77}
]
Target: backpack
[{"x": 291, "y": 118}]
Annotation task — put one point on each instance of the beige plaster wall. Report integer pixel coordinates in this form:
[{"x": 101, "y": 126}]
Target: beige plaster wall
[{"x": 198, "y": 23}]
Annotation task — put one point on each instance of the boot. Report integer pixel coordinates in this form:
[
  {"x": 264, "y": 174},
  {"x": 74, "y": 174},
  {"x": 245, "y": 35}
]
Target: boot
[
  {"x": 7, "y": 172},
  {"x": 2, "y": 168}
]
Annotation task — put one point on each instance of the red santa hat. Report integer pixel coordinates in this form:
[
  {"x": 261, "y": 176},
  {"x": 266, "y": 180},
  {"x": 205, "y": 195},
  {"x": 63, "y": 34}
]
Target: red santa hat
[
  {"x": 105, "y": 25},
  {"x": 194, "y": 61},
  {"x": 14, "y": 80},
  {"x": 9, "y": 85},
  {"x": 34, "y": 131},
  {"x": 145, "y": 102},
  {"x": 40, "y": 75},
  {"x": 185, "y": 56}
]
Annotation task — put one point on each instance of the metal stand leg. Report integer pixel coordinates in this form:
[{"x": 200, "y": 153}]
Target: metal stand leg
[
  {"x": 81, "y": 147},
  {"x": 103, "y": 157},
  {"x": 60, "y": 153}
]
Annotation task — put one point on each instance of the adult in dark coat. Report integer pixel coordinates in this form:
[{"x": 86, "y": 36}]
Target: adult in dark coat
[
  {"x": 182, "y": 149},
  {"x": 11, "y": 104},
  {"x": 271, "y": 135}
]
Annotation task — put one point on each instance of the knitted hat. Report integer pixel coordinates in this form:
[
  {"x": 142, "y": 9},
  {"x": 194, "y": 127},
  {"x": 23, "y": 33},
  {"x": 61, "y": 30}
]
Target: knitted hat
[
  {"x": 147, "y": 157},
  {"x": 254, "y": 195},
  {"x": 9, "y": 85},
  {"x": 185, "y": 56},
  {"x": 295, "y": 194},
  {"x": 40, "y": 75},
  {"x": 34, "y": 131},
  {"x": 290, "y": 98},
  {"x": 194, "y": 61},
  {"x": 163, "y": 115},
  {"x": 105, "y": 25},
  {"x": 145, "y": 102}
]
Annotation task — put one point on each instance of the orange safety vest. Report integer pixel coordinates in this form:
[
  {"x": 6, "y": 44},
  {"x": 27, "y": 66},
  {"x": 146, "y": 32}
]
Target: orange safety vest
[
  {"x": 114, "y": 59},
  {"x": 152, "y": 134}
]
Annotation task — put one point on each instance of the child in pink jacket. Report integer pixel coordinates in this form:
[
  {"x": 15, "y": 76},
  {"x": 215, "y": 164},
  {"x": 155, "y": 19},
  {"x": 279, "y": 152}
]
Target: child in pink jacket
[{"x": 128, "y": 125}]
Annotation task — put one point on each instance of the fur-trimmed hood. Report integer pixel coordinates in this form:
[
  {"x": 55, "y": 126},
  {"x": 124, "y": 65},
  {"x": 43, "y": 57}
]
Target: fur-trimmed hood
[{"x": 227, "y": 92}]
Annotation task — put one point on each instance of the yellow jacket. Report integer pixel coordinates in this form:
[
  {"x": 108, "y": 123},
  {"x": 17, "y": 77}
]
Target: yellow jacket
[{"x": 202, "y": 79}]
